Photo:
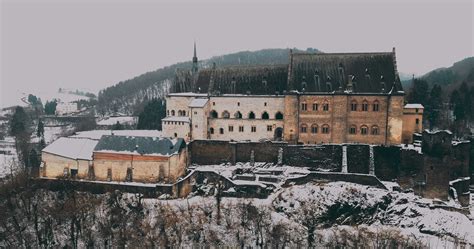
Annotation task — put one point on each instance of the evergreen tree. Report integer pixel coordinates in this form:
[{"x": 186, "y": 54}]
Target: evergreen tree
[
  {"x": 150, "y": 117},
  {"x": 419, "y": 92},
  {"x": 50, "y": 107},
  {"x": 34, "y": 160},
  {"x": 40, "y": 129},
  {"x": 434, "y": 105},
  {"x": 19, "y": 122},
  {"x": 117, "y": 126}
]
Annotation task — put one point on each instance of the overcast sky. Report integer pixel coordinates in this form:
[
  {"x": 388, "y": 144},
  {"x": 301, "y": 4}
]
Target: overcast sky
[{"x": 94, "y": 44}]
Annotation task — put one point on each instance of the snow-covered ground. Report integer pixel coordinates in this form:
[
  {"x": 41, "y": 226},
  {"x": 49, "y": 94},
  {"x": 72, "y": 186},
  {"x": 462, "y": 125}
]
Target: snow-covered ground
[{"x": 351, "y": 206}]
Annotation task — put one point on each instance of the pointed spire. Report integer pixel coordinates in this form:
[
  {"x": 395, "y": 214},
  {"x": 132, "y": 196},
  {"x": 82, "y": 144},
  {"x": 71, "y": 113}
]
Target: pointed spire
[{"x": 195, "y": 60}]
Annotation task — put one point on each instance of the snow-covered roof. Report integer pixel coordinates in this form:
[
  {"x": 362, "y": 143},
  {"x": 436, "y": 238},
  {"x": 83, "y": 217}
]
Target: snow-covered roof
[
  {"x": 419, "y": 106},
  {"x": 74, "y": 148},
  {"x": 176, "y": 119},
  {"x": 121, "y": 120},
  {"x": 96, "y": 134},
  {"x": 188, "y": 94},
  {"x": 198, "y": 103}
]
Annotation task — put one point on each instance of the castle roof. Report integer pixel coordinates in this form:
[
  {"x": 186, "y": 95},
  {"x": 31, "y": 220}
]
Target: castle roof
[
  {"x": 368, "y": 72},
  {"x": 360, "y": 72}
]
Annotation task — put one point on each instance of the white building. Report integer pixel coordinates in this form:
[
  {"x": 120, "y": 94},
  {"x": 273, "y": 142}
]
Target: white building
[
  {"x": 224, "y": 117},
  {"x": 63, "y": 108}
]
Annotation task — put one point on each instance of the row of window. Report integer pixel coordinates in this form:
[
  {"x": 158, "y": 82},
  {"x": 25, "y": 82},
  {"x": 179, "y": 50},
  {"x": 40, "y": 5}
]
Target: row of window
[
  {"x": 181, "y": 113},
  {"x": 250, "y": 115},
  {"x": 173, "y": 123},
  {"x": 315, "y": 128},
  {"x": 253, "y": 128},
  {"x": 364, "y": 130},
  {"x": 304, "y": 107},
  {"x": 365, "y": 106}
]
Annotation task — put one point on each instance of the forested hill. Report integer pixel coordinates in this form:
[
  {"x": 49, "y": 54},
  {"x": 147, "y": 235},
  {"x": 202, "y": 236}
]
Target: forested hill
[
  {"x": 460, "y": 71},
  {"x": 450, "y": 77},
  {"x": 129, "y": 96}
]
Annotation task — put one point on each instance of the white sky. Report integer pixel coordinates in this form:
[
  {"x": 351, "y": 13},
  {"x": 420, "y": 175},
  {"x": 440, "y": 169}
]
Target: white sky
[{"x": 94, "y": 44}]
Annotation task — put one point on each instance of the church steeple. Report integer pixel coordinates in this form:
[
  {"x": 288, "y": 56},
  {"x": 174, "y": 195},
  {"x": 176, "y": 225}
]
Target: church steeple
[{"x": 195, "y": 60}]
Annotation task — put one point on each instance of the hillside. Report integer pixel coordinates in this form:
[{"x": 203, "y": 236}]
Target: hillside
[
  {"x": 449, "y": 77},
  {"x": 129, "y": 96}
]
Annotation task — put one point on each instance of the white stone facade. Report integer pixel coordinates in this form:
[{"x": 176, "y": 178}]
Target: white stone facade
[
  {"x": 66, "y": 108},
  {"x": 224, "y": 117}
]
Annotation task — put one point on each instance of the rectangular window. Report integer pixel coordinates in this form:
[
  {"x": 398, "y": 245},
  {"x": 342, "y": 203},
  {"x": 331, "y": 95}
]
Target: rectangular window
[
  {"x": 326, "y": 129},
  {"x": 315, "y": 107},
  {"x": 269, "y": 128},
  {"x": 375, "y": 108},
  {"x": 231, "y": 128},
  {"x": 326, "y": 107},
  {"x": 241, "y": 128},
  {"x": 365, "y": 107},
  {"x": 353, "y": 107},
  {"x": 195, "y": 113},
  {"x": 304, "y": 106},
  {"x": 417, "y": 121},
  {"x": 375, "y": 130},
  {"x": 363, "y": 130},
  {"x": 352, "y": 130},
  {"x": 254, "y": 129},
  {"x": 213, "y": 103},
  {"x": 314, "y": 129},
  {"x": 265, "y": 104},
  {"x": 303, "y": 129}
]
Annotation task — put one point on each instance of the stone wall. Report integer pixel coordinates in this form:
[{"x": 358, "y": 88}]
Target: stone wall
[
  {"x": 387, "y": 162},
  {"x": 358, "y": 158},
  {"x": 206, "y": 152},
  {"x": 317, "y": 157}
]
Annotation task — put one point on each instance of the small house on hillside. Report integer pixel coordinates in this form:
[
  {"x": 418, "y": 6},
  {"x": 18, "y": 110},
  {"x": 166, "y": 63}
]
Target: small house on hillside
[
  {"x": 68, "y": 157},
  {"x": 139, "y": 159}
]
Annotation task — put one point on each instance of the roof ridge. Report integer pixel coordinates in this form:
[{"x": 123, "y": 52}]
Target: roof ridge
[{"x": 344, "y": 53}]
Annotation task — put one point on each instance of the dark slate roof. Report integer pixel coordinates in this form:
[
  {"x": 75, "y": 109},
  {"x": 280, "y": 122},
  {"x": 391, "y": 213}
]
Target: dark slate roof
[
  {"x": 368, "y": 70},
  {"x": 139, "y": 145},
  {"x": 235, "y": 80}
]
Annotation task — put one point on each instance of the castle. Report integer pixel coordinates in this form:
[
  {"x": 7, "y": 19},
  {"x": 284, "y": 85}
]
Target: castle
[{"x": 315, "y": 98}]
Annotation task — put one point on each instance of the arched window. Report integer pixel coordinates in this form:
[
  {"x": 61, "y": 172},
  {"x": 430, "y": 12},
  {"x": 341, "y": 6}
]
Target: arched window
[
  {"x": 172, "y": 113},
  {"x": 353, "y": 105},
  {"x": 211, "y": 130},
  {"x": 183, "y": 112},
  {"x": 325, "y": 106},
  {"x": 167, "y": 112},
  {"x": 375, "y": 106},
  {"x": 221, "y": 130},
  {"x": 325, "y": 129},
  {"x": 251, "y": 115},
  {"x": 225, "y": 114},
  {"x": 303, "y": 128},
  {"x": 314, "y": 128},
  {"x": 352, "y": 129},
  {"x": 265, "y": 115},
  {"x": 364, "y": 130},
  {"x": 214, "y": 114},
  {"x": 180, "y": 113},
  {"x": 365, "y": 106},
  {"x": 375, "y": 130},
  {"x": 238, "y": 115},
  {"x": 279, "y": 116}
]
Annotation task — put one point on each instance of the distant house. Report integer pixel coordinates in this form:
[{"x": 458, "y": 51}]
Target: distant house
[
  {"x": 66, "y": 108},
  {"x": 139, "y": 159}
]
